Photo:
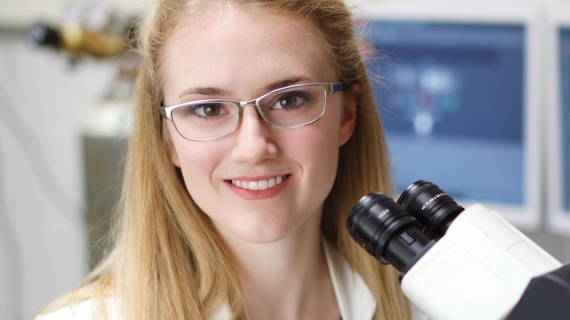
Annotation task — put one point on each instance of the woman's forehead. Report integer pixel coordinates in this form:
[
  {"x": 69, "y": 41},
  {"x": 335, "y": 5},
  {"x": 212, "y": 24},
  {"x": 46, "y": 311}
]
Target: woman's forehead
[
  {"x": 230, "y": 46},
  {"x": 256, "y": 26}
]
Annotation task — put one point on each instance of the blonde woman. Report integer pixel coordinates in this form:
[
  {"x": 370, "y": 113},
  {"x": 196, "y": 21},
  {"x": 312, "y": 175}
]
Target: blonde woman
[{"x": 255, "y": 133}]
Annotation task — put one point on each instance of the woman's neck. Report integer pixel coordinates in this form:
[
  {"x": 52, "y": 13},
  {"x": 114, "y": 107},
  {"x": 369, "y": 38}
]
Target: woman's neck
[{"x": 286, "y": 279}]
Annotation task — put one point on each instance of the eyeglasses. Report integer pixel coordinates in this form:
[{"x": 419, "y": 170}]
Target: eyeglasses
[{"x": 289, "y": 107}]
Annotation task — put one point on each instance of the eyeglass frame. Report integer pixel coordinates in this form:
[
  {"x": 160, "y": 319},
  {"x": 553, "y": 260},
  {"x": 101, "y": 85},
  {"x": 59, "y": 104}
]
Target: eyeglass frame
[{"x": 330, "y": 88}]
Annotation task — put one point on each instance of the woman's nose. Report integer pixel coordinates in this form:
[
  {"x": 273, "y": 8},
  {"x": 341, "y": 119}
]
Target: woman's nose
[{"x": 253, "y": 144}]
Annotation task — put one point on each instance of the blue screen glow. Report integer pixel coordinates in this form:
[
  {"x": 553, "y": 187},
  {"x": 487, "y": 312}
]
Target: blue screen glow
[{"x": 450, "y": 98}]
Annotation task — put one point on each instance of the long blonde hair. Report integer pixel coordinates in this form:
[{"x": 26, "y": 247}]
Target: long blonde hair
[{"x": 169, "y": 262}]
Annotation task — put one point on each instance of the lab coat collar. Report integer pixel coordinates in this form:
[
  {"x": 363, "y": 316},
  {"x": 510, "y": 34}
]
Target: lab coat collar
[
  {"x": 353, "y": 296},
  {"x": 355, "y": 301}
]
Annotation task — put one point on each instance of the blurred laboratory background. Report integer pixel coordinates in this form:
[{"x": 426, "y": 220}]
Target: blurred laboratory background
[{"x": 474, "y": 95}]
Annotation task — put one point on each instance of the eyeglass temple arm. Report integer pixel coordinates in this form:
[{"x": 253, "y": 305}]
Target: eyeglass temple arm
[{"x": 335, "y": 87}]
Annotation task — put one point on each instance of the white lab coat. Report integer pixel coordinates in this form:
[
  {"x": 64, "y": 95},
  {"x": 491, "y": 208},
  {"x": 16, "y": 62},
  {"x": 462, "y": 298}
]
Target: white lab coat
[{"x": 355, "y": 301}]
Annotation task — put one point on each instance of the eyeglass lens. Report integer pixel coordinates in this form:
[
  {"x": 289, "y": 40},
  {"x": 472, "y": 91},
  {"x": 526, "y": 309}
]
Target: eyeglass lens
[{"x": 289, "y": 107}]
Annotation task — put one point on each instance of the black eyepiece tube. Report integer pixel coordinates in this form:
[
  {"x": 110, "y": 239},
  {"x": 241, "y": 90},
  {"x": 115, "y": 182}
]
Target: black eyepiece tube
[
  {"x": 431, "y": 206},
  {"x": 387, "y": 232}
]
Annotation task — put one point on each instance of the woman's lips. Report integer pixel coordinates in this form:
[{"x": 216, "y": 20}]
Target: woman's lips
[
  {"x": 258, "y": 189},
  {"x": 259, "y": 184}
]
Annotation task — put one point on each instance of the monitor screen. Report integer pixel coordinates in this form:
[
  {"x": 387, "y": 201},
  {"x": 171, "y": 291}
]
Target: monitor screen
[{"x": 452, "y": 104}]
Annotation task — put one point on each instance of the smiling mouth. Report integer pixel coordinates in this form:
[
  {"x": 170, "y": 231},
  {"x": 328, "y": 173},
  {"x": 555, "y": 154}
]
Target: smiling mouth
[{"x": 260, "y": 184}]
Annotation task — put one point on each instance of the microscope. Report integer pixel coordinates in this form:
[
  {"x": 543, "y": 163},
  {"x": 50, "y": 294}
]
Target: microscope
[{"x": 458, "y": 263}]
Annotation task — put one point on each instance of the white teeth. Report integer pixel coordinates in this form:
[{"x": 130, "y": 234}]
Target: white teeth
[
  {"x": 258, "y": 185},
  {"x": 263, "y": 184},
  {"x": 253, "y": 185}
]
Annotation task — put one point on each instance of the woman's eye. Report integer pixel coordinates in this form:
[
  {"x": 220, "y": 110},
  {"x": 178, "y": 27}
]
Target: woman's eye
[
  {"x": 290, "y": 100},
  {"x": 212, "y": 110},
  {"x": 209, "y": 110}
]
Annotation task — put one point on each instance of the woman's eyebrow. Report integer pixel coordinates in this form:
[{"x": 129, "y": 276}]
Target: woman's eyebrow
[
  {"x": 213, "y": 91},
  {"x": 207, "y": 91},
  {"x": 285, "y": 83}
]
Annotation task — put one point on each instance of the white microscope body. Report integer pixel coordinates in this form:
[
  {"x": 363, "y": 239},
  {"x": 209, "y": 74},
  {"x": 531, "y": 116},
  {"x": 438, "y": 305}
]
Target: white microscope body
[
  {"x": 478, "y": 270},
  {"x": 458, "y": 263}
]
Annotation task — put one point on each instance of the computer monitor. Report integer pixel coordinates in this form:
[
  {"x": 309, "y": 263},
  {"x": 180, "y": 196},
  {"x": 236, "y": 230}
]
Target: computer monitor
[
  {"x": 557, "y": 51},
  {"x": 457, "y": 88}
]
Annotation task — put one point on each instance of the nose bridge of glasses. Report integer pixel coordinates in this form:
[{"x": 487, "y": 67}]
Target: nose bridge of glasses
[
  {"x": 245, "y": 103},
  {"x": 254, "y": 103}
]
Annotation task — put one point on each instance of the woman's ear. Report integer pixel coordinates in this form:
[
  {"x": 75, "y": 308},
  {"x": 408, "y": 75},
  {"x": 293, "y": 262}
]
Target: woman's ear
[
  {"x": 170, "y": 146},
  {"x": 174, "y": 158},
  {"x": 351, "y": 96}
]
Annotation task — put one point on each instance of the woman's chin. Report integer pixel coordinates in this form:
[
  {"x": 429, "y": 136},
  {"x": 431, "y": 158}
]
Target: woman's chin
[{"x": 256, "y": 234}]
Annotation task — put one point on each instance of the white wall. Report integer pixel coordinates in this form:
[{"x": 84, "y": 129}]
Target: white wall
[
  {"x": 21, "y": 13},
  {"x": 42, "y": 100}
]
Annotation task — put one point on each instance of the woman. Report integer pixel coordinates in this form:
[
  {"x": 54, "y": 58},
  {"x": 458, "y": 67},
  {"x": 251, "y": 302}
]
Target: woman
[{"x": 255, "y": 133}]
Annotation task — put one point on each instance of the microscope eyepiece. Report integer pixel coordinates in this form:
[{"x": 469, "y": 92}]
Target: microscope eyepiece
[
  {"x": 387, "y": 232},
  {"x": 431, "y": 206}
]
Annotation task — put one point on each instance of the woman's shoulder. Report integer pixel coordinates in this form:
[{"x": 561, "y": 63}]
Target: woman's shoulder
[
  {"x": 84, "y": 310},
  {"x": 90, "y": 310}
]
